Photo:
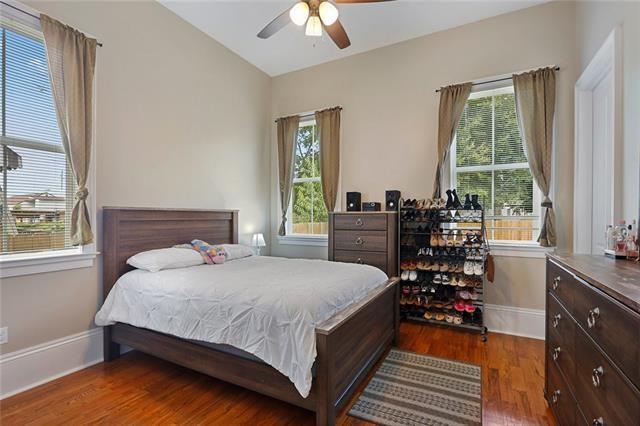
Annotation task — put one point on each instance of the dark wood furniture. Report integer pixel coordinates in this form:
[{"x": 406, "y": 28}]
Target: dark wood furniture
[
  {"x": 370, "y": 238},
  {"x": 348, "y": 344},
  {"x": 593, "y": 340}
]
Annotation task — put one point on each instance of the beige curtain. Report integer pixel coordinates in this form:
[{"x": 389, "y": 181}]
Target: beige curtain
[
  {"x": 535, "y": 106},
  {"x": 287, "y": 136},
  {"x": 328, "y": 126},
  {"x": 452, "y": 101},
  {"x": 72, "y": 59}
]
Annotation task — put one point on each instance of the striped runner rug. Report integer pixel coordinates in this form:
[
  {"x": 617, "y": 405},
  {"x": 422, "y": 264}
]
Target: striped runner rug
[{"x": 414, "y": 389}]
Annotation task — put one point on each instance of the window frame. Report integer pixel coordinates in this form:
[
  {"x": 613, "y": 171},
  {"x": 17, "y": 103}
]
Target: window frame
[
  {"x": 500, "y": 247},
  {"x": 27, "y": 263}
]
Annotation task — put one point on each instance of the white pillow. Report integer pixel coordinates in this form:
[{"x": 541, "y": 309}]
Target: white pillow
[
  {"x": 237, "y": 251},
  {"x": 166, "y": 258}
]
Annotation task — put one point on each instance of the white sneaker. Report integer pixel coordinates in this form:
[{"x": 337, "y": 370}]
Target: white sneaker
[
  {"x": 413, "y": 275},
  {"x": 437, "y": 279},
  {"x": 468, "y": 267},
  {"x": 477, "y": 268},
  {"x": 404, "y": 276}
]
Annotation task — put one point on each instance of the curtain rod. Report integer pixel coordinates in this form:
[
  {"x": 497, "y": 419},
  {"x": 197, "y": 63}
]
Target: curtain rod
[
  {"x": 33, "y": 16},
  {"x": 557, "y": 68},
  {"x": 308, "y": 115}
]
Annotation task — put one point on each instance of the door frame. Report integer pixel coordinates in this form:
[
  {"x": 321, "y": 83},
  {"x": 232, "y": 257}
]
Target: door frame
[{"x": 608, "y": 59}]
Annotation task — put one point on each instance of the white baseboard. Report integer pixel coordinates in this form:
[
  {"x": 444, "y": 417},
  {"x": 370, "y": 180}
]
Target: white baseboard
[
  {"x": 516, "y": 321},
  {"x": 31, "y": 367}
]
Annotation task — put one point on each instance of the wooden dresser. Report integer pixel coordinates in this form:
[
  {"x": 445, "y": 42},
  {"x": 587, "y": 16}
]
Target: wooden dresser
[
  {"x": 365, "y": 237},
  {"x": 593, "y": 340}
]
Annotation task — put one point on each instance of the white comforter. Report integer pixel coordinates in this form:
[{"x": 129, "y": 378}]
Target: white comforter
[{"x": 266, "y": 306}]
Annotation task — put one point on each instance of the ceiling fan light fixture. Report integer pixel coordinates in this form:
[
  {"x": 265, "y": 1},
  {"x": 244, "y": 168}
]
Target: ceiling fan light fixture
[
  {"x": 328, "y": 13},
  {"x": 299, "y": 13},
  {"x": 314, "y": 26}
]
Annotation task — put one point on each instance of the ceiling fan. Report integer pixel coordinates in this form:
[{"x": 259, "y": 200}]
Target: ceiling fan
[{"x": 316, "y": 14}]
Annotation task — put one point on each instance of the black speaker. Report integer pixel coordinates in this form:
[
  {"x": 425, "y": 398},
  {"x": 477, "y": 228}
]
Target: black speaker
[
  {"x": 392, "y": 200},
  {"x": 354, "y": 201},
  {"x": 371, "y": 206}
]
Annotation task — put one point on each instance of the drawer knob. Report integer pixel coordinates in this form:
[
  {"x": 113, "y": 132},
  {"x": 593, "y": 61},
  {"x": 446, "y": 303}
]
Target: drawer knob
[
  {"x": 555, "y": 395},
  {"x": 359, "y": 241},
  {"x": 595, "y": 376},
  {"x": 555, "y": 353},
  {"x": 598, "y": 422},
  {"x": 359, "y": 261},
  {"x": 556, "y": 320},
  {"x": 556, "y": 282},
  {"x": 359, "y": 221},
  {"x": 594, "y": 314}
]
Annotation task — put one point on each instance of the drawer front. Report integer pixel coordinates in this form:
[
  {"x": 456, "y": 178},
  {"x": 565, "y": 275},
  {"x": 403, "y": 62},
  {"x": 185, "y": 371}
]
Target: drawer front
[
  {"x": 377, "y": 259},
  {"x": 602, "y": 392},
  {"x": 612, "y": 326},
  {"x": 560, "y": 283},
  {"x": 560, "y": 399},
  {"x": 561, "y": 335},
  {"x": 367, "y": 222},
  {"x": 360, "y": 240}
]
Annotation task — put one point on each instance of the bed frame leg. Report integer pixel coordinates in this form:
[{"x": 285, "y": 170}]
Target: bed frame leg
[
  {"x": 111, "y": 348},
  {"x": 325, "y": 398}
]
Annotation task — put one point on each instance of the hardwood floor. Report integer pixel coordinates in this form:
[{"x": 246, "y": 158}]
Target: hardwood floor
[{"x": 139, "y": 389}]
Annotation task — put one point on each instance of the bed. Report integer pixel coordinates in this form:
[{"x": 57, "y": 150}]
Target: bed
[{"x": 348, "y": 343}]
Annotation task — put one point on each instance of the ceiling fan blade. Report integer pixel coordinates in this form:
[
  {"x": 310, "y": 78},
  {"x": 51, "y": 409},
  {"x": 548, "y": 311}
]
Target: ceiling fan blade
[
  {"x": 338, "y": 34},
  {"x": 276, "y": 25},
  {"x": 360, "y": 1}
]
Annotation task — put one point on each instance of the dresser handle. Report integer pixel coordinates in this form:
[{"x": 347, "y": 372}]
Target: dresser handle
[
  {"x": 555, "y": 395},
  {"x": 594, "y": 314},
  {"x": 359, "y": 221},
  {"x": 556, "y": 281},
  {"x": 595, "y": 376},
  {"x": 359, "y": 261},
  {"x": 359, "y": 241},
  {"x": 556, "y": 320},
  {"x": 555, "y": 353},
  {"x": 598, "y": 422}
]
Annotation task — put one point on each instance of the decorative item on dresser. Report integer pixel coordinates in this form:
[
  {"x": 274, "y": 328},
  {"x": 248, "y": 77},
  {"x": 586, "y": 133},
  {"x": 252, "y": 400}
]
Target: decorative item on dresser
[
  {"x": 354, "y": 201},
  {"x": 392, "y": 200},
  {"x": 365, "y": 237},
  {"x": 593, "y": 330}
]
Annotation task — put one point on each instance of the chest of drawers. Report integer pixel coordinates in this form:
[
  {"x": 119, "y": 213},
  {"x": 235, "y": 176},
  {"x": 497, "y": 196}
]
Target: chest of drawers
[
  {"x": 369, "y": 238},
  {"x": 593, "y": 340}
]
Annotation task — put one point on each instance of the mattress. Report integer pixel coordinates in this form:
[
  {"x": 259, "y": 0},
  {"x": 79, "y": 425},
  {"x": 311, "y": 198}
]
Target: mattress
[{"x": 265, "y": 306}]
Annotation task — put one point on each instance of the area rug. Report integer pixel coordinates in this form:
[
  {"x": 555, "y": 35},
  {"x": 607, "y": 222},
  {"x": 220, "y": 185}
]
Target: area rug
[{"x": 414, "y": 389}]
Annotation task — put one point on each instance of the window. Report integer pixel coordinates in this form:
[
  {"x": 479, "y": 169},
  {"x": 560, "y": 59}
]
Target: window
[
  {"x": 37, "y": 186},
  {"x": 488, "y": 159},
  {"x": 308, "y": 212}
]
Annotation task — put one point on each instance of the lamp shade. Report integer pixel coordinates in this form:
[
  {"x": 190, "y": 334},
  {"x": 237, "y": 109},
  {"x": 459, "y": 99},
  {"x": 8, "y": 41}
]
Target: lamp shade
[
  {"x": 299, "y": 13},
  {"x": 314, "y": 26},
  {"x": 257, "y": 240}
]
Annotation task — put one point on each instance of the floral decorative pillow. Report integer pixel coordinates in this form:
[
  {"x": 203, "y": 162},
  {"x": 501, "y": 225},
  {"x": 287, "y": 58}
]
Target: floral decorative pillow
[{"x": 210, "y": 253}]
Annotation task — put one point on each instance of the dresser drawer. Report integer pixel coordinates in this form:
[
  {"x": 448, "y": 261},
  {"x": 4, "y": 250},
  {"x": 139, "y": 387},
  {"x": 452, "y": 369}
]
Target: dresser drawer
[
  {"x": 615, "y": 328},
  {"x": 360, "y": 240},
  {"x": 373, "y": 258},
  {"x": 561, "y": 335},
  {"x": 560, "y": 399},
  {"x": 561, "y": 283},
  {"x": 367, "y": 222},
  {"x": 601, "y": 390}
]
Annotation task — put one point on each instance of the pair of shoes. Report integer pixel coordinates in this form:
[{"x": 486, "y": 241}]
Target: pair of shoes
[
  {"x": 408, "y": 275},
  {"x": 453, "y": 202},
  {"x": 471, "y": 203},
  {"x": 464, "y": 306}
]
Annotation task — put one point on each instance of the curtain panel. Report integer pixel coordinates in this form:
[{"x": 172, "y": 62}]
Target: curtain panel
[
  {"x": 452, "y": 101},
  {"x": 71, "y": 57},
  {"x": 328, "y": 128},
  {"x": 287, "y": 134},
  {"x": 535, "y": 94}
]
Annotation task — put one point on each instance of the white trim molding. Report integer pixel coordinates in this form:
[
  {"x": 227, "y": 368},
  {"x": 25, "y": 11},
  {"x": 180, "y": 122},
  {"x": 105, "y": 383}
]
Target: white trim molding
[
  {"x": 304, "y": 240},
  {"x": 515, "y": 321},
  {"x": 27, "y": 368},
  {"x": 506, "y": 249},
  {"x": 13, "y": 265}
]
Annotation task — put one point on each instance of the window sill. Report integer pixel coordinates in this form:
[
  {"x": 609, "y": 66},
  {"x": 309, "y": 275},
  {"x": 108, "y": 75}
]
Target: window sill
[
  {"x": 15, "y": 265},
  {"x": 304, "y": 240},
  {"x": 519, "y": 249}
]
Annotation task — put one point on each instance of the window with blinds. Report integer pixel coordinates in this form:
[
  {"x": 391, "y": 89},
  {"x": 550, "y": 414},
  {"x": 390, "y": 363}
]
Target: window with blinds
[
  {"x": 488, "y": 159},
  {"x": 37, "y": 186}
]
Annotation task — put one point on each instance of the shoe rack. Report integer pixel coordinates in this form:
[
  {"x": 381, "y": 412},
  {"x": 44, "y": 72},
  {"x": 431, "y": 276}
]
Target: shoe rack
[{"x": 442, "y": 256}]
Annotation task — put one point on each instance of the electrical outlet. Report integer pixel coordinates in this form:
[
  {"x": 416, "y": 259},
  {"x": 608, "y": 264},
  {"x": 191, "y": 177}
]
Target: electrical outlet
[{"x": 4, "y": 335}]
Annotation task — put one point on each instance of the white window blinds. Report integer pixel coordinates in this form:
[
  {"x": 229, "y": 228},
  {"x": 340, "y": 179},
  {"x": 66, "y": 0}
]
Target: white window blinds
[
  {"x": 37, "y": 186},
  {"x": 490, "y": 161}
]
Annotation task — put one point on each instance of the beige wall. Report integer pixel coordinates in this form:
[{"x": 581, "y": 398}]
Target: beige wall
[
  {"x": 389, "y": 121},
  {"x": 181, "y": 122},
  {"x": 594, "y": 22}
]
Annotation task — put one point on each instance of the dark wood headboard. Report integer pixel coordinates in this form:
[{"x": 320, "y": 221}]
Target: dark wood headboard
[{"x": 128, "y": 231}]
